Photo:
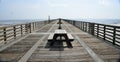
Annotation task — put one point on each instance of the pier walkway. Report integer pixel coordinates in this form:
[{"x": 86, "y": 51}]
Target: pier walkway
[{"x": 34, "y": 47}]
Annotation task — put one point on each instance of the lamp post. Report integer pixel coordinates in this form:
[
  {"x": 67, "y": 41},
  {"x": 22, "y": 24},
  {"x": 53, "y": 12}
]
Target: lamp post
[{"x": 48, "y": 19}]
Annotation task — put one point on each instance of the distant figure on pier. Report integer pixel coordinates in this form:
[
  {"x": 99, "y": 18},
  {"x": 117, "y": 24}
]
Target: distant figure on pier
[{"x": 59, "y": 24}]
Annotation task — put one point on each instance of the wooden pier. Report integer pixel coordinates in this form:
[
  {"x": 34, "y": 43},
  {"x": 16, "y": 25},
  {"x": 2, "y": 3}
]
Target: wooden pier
[{"x": 31, "y": 44}]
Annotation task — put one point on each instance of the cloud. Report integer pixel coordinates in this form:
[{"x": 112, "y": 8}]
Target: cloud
[
  {"x": 58, "y": 5},
  {"x": 105, "y": 2},
  {"x": 35, "y": 6}
]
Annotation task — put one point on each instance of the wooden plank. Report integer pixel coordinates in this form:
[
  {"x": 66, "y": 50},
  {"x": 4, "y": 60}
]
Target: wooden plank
[
  {"x": 29, "y": 53},
  {"x": 90, "y": 51},
  {"x": 70, "y": 37},
  {"x": 60, "y": 32},
  {"x": 1, "y": 39},
  {"x": 50, "y": 38},
  {"x": 8, "y": 45}
]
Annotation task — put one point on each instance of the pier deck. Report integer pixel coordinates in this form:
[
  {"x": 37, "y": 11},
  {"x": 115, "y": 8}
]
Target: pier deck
[{"x": 34, "y": 47}]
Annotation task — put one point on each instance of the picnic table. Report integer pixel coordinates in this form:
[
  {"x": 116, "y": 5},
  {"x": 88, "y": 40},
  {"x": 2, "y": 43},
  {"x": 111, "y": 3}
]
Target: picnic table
[{"x": 60, "y": 33}]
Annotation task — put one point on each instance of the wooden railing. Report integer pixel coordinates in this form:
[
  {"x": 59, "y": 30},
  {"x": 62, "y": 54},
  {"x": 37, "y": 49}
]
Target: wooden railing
[
  {"x": 12, "y": 32},
  {"x": 106, "y": 32}
]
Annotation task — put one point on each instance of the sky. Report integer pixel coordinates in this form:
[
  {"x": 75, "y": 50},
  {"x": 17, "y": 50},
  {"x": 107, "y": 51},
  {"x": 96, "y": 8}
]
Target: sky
[{"x": 71, "y": 9}]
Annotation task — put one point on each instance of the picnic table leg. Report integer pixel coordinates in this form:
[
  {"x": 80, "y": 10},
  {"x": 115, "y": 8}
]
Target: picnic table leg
[
  {"x": 67, "y": 41},
  {"x": 69, "y": 44},
  {"x": 54, "y": 39}
]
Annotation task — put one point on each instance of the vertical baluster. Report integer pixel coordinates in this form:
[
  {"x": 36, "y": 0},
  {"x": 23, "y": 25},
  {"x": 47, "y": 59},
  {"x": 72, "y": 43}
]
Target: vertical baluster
[
  {"x": 26, "y": 28},
  {"x": 89, "y": 31},
  {"x": 87, "y": 27},
  {"x": 21, "y": 29},
  {"x": 114, "y": 35},
  {"x": 14, "y": 30},
  {"x": 97, "y": 30},
  {"x": 104, "y": 32},
  {"x": 33, "y": 26},
  {"x": 30, "y": 27},
  {"x": 83, "y": 27},
  {"x": 74, "y": 23},
  {"x": 36, "y": 26},
  {"x": 92, "y": 28},
  {"x": 5, "y": 35},
  {"x": 80, "y": 24}
]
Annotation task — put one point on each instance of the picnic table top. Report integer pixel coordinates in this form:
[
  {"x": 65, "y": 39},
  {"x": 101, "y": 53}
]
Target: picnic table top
[{"x": 60, "y": 31}]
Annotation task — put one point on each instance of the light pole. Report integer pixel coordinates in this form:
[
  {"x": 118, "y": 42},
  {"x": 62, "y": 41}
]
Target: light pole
[{"x": 48, "y": 19}]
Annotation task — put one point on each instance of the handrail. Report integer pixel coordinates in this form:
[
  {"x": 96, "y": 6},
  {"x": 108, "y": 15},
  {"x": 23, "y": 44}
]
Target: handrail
[
  {"x": 13, "y": 31},
  {"x": 106, "y": 32}
]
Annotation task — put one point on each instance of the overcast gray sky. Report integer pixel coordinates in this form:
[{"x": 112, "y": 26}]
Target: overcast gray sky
[{"x": 40, "y": 9}]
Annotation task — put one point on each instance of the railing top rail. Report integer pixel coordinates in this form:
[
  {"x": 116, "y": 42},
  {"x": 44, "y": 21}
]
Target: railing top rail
[{"x": 95, "y": 23}]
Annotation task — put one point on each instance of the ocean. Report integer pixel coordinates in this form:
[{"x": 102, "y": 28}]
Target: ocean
[
  {"x": 102, "y": 21},
  {"x": 115, "y": 22},
  {"x": 13, "y": 22}
]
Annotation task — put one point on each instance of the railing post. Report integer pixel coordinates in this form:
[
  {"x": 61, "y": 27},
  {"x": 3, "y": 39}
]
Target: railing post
[
  {"x": 91, "y": 28},
  {"x": 114, "y": 35},
  {"x": 5, "y": 37},
  {"x": 104, "y": 32},
  {"x": 36, "y": 25},
  {"x": 29, "y": 26},
  {"x": 97, "y": 30},
  {"x": 21, "y": 29},
  {"x": 74, "y": 23},
  {"x": 87, "y": 27},
  {"x": 26, "y": 28},
  {"x": 14, "y": 30},
  {"x": 33, "y": 26},
  {"x": 83, "y": 26},
  {"x": 80, "y": 25}
]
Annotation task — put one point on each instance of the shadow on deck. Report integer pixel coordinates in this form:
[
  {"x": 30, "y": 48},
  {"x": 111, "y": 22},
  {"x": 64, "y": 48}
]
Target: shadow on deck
[{"x": 57, "y": 46}]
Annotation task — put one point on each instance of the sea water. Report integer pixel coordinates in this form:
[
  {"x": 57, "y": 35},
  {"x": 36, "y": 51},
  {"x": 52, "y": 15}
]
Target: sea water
[
  {"x": 13, "y": 22},
  {"x": 102, "y": 21}
]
